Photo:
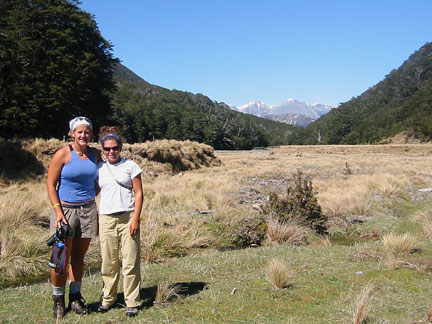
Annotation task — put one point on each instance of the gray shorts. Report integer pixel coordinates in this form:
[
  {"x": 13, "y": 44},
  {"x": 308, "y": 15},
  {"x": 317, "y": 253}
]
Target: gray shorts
[{"x": 82, "y": 218}]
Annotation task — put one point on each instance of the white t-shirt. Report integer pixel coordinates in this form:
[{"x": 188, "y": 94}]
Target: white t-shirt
[{"x": 115, "y": 198}]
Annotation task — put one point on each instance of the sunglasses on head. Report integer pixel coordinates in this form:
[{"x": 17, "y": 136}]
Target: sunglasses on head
[
  {"x": 83, "y": 118},
  {"x": 114, "y": 148}
]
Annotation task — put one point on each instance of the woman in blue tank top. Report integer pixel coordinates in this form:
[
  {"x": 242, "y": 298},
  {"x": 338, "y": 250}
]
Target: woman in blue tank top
[{"x": 71, "y": 186}]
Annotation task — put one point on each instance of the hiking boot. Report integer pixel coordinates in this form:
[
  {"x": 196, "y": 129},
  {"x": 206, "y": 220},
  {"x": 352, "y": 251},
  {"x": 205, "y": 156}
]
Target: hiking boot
[
  {"x": 77, "y": 304},
  {"x": 132, "y": 311},
  {"x": 103, "y": 309},
  {"x": 59, "y": 306}
]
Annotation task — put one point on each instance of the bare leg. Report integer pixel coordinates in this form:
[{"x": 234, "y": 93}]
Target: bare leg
[{"x": 79, "y": 249}]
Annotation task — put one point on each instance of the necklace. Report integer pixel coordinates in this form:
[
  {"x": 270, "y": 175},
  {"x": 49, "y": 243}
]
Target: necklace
[{"x": 79, "y": 152}]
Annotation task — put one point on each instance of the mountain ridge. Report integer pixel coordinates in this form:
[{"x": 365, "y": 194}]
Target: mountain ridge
[
  {"x": 401, "y": 102},
  {"x": 290, "y": 111},
  {"x": 146, "y": 112}
]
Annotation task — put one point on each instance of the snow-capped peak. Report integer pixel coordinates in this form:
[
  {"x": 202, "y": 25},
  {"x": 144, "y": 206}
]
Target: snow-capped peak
[{"x": 289, "y": 106}]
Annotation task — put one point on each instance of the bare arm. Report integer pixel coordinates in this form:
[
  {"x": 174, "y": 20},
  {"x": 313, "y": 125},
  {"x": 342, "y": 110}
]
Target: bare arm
[
  {"x": 57, "y": 162},
  {"x": 137, "y": 186}
]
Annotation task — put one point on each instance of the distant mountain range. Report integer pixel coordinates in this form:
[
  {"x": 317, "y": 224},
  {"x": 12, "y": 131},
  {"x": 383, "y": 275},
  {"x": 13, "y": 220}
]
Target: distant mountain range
[
  {"x": 146, "y": 112},
  {"x": 401, "y": 103},
  {"x": 291, "y": 111}
]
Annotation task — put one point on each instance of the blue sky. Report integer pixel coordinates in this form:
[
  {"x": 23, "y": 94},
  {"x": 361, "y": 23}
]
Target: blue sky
[{"x": 236, "y": 51}]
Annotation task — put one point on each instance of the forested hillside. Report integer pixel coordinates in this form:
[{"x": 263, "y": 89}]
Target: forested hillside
[
  {"x": 401, "y": 102},
  {"x": 147, "y": 111},
  {"x": 55, "y": 65}
]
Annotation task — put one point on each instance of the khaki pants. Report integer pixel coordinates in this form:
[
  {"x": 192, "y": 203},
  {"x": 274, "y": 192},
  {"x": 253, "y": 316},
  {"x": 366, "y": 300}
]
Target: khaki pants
[{"x": 114, "y": 232}]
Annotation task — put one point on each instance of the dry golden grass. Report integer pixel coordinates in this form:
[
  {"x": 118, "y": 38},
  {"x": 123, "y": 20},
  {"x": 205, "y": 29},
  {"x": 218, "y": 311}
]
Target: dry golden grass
[
  {"x": 322, "y": 241},
  {"x": 285, "y": 233},
  {"x": 363, "y": 304},
  {"x": 23, "y": 222},
  {"x": 165, "y": 292},
  {"x": 42, "y": 149},
  {"x": 389, "y": 260},
  {"x": 175, "y": 156},
  {"x": 178, "y": 208},
  {"x": 374, "y": 170},
  {"x": 425, "y": 218},
  {"x": 342, "y": 197},
  {"x": 400, "y": 243},
  {"x": 279, "y": 274}
]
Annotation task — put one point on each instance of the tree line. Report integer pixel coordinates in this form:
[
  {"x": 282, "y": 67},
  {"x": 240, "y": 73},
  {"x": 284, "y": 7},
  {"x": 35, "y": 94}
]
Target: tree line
[{"x": 55, "y": 64}]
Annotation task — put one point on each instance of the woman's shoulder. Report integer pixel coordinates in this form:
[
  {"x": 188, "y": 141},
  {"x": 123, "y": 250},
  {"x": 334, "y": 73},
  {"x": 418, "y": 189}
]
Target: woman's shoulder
[
  {"x": 63, "y": 152},
  {"x": 61, "y": 156},
  {"x": 130, "y": 163}
]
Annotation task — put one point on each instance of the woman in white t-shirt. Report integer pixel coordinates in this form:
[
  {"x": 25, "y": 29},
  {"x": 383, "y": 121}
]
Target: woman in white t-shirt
[{"x": 120, "y": 207}]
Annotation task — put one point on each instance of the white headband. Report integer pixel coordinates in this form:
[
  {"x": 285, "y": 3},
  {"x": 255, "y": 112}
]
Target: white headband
[{"x": 74, "y": 123}]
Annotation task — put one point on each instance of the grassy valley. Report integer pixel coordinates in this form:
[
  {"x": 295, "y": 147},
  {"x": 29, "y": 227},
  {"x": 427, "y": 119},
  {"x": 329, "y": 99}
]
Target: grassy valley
[{"x": 377, "y": 247}]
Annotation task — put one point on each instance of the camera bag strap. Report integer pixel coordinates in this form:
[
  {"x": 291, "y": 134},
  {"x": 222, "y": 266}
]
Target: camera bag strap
[{"x": 118, "y": 182}]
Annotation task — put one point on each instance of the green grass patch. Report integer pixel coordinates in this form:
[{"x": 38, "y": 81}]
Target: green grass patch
[{"x": 324, "y": 285}]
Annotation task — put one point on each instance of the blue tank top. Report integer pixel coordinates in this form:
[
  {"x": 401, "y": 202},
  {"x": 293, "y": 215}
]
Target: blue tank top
[{"x": 77, "y": 179}]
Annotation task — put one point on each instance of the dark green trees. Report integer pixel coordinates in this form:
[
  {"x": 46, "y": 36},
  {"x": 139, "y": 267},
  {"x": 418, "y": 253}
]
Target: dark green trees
[
  {"x": 401, "y": 102},
  {"x": 54, "y": 65},
  {"x": 147, "y": 112}
]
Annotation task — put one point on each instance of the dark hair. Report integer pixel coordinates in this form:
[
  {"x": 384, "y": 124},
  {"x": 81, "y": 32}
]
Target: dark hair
[{"x": 112, "y": 133}]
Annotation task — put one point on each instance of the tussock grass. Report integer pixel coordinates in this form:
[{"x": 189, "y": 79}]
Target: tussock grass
[
  {"x": 425, "y": 219},
  {"x": 343, "y": 197},
  {"x": 43, "y": 150},
  {"x": 285, "y": 233},
  {"x": 323, "y": 240},
  {"x": 172, "y": 223},
  {"x": 176, "y": 155},
  {"x": 321, "y": 290},
  {"x": 165, "y": 292},
  {"x": 279, "y": 274},
  {"x": 389, "y": 260},
  {"x": 23, "y": 222},
  {"x": 400, "y": 243},
  {"x": 363, "y": 304},
  {"x": 389, "y": 184},
  {"x": 17, "y": 163}
]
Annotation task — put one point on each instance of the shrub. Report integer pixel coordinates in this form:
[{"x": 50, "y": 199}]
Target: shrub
[
  {"x": 250, "y": 232},
  {"x": 298, "y": 205}
]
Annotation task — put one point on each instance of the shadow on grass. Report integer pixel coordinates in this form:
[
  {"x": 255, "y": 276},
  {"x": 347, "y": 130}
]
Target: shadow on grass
[
  {"x": 17, "y": 163},
  {"x": 148, "y": 294}
]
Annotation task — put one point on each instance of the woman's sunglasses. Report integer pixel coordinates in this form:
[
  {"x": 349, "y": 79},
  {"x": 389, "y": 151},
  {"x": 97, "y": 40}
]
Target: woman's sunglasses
[{"x": 114, "y": 148}]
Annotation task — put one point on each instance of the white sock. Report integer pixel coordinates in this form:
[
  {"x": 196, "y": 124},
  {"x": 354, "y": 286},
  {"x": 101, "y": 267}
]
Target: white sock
[{"x": 58, "y": 291}]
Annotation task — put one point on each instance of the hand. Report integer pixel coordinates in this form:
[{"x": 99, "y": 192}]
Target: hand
[
  {"x": 60, "y": 217},
  {"x": 134, "y": 226}
]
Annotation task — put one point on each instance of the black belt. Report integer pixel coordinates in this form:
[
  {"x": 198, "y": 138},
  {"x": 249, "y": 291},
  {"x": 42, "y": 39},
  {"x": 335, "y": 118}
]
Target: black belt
[
  {"x": 78, "y": 205},
  {"x": 116, "y": 214}
]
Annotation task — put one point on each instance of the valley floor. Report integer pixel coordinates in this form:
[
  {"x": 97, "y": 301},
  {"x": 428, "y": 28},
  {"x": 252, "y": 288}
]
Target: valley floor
[{"x": 378, "y": 200}]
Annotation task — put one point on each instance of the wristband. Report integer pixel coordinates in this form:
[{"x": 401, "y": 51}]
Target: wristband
[{"x": 56, "y": 205}]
